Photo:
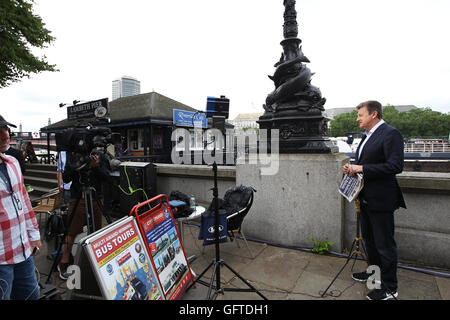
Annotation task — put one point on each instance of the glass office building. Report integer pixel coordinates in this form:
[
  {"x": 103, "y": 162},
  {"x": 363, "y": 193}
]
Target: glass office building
[{"x": 125, "y": 87}]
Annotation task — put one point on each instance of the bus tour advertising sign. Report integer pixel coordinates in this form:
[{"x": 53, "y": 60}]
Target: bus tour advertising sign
[
  {"x": 120, "y": 261},
  {"x": 164, "y": 247}
]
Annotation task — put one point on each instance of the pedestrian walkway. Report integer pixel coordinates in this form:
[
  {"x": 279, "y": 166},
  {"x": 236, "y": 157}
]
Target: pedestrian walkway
[
  {"x": 281, "y": 273},
  {"x": 289, "y": 274}
]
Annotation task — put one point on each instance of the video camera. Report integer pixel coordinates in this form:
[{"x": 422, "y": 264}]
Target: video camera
[{"x": 83, "y": 139}]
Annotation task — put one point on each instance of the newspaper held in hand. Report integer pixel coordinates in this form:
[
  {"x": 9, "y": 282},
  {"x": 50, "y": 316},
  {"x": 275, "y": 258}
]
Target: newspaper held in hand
[{"x": 351, "y": 186}]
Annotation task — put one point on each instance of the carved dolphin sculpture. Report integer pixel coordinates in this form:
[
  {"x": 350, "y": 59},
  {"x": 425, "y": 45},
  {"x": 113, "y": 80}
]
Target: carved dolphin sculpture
[{"x": 290, "y": 87}]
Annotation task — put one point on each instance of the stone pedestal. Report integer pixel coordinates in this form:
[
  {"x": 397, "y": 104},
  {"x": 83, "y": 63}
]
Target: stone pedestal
[
  {"x": 299, "y": 131},
  {"x": 300, "y": 201}
]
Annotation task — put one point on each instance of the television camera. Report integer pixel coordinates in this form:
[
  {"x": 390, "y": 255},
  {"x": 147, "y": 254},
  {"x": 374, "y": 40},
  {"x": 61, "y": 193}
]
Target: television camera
[{"x": 85, "y": 140}]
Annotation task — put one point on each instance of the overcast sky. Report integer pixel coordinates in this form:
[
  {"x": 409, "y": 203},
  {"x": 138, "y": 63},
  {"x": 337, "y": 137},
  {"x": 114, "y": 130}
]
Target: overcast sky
[{"x": 394, "y": 51}]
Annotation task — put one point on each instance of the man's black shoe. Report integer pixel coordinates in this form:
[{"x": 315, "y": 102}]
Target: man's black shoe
[
  {"x": 382, "y": 294},
  {"x": 361, "y": 276}
]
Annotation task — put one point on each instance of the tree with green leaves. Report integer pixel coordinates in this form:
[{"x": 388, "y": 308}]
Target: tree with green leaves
[
  {"x": 344, "y": 123},
  {"x": 414, "y": 123},
  {"x": 21, "y": 31}
]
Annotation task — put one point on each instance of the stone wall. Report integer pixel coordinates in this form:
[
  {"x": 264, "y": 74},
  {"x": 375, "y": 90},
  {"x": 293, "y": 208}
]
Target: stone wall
[{"x": 422, "y": 230}]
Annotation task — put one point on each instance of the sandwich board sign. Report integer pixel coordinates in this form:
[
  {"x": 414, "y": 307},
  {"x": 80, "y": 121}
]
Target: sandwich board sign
[
  {"x": 162, "y": 240},
  {"x": 121, "y": 264}
]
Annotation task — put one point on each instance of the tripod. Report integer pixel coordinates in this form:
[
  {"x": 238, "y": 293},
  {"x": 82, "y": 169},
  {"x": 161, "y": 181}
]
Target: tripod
[
  {"x": 217, "y": 263},
  {"x": 357, "y": 243},
  {"x": 89, "y": 209}
]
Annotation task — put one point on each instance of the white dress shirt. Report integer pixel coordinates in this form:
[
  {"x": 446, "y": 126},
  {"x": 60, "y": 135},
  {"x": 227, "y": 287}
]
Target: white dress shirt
[{"x": 368, "y": 134}]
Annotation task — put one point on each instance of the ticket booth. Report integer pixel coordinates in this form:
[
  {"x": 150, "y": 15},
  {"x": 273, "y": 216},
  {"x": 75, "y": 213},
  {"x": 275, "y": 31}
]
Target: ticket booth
[{"x": 144, "y": 121}]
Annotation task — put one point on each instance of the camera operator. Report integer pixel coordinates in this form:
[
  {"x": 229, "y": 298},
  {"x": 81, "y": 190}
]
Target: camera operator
[{"x": 90, "y": 172}]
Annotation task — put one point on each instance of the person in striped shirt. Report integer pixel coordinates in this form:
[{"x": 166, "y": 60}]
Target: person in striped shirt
[{"x": 19, "y": 232}]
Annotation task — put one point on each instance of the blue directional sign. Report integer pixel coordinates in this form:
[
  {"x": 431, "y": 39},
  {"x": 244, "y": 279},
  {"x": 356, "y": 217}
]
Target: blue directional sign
[{"x": 185, "y": 118}]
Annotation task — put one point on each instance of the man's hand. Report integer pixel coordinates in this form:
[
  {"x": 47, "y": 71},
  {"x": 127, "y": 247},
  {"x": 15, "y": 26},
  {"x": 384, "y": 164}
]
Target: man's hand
[
  {"x": 94, "y": 160},
  {"x": 352, "y": 169},
  {"x": 36, "y": 244}
]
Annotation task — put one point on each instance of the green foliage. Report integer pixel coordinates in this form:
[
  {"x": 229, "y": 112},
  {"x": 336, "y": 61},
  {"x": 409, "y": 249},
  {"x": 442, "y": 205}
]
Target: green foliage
[
  {"x": 20, "y": 32},
  {"x": 321, "y": 246},
  {"x": 245, "y": 129},
  {"x": 414, "y": 123},
  {"x": 343, "y": 123}
]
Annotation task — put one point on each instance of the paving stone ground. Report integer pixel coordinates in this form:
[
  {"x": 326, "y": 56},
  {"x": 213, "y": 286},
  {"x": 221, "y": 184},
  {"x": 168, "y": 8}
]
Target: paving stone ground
[{"x": 280, "y": 273}]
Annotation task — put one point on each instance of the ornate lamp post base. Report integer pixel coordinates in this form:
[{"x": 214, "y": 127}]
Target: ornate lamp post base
[{"x": 299, "y": 132}]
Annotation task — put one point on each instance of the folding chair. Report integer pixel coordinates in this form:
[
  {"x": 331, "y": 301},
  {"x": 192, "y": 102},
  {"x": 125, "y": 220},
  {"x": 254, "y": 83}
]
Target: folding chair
[
  {"x": 48, "y": 204},
  {"x": 236, "y": 218}
]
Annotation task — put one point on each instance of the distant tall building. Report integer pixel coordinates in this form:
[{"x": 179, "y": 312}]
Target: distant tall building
[{"x": 125, "y": 87}]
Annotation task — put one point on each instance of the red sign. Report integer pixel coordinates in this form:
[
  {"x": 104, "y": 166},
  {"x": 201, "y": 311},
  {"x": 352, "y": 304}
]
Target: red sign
[
  {"x": 153, "y": 221},
  {"x": 164, "y": 246},
  {"x": 111, "y": 242},
  {"x": 124, "y": 259}
]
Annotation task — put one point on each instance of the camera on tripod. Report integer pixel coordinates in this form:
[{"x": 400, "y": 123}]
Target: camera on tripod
[{"x": 85, "y": 140}]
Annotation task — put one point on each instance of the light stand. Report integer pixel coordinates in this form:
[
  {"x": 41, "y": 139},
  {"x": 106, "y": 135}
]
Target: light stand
[
  {"x": 357, "y": 242},
  {"x": 217, "y": 263}
]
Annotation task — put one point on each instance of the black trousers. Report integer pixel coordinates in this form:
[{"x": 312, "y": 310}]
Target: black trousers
[{"x": 377, "y": 230}]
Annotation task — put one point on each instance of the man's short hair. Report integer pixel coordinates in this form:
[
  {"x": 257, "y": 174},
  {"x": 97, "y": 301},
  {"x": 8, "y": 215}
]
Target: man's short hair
[{"x": 372, "y": 106}]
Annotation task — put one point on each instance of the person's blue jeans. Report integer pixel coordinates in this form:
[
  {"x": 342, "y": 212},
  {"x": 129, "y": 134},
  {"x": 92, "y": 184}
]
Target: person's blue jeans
[{"x": 18, "y": 281}]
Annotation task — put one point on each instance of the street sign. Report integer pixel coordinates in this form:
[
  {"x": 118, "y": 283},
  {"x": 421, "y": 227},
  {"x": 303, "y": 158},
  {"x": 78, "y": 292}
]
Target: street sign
[
  {"x": 183, "y": 118},
  {"x": 96, "y": 108}
]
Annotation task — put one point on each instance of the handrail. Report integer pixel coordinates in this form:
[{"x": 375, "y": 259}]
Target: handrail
[
  {"x": 417, "y": 155},
  {"x": 427, "y": 147}
]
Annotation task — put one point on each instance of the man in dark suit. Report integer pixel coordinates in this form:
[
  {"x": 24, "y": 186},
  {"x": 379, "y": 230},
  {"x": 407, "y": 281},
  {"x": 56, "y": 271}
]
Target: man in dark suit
[{"x": 379, "y": 158}]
